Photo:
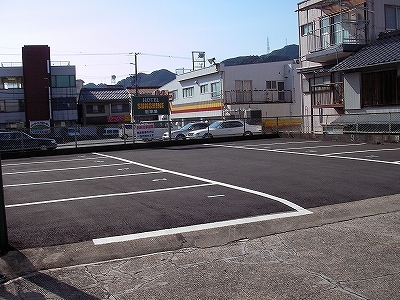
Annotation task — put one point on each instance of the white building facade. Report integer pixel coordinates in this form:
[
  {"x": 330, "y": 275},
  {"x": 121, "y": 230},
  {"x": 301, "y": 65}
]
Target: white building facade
[
  {"x": 220, "y": 91},
  {"x": 330, "y": 33}
]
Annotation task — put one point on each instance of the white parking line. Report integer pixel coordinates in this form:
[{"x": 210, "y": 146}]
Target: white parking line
[
  {"x": 308, "y": 154},
  {"x": 298, "y": 209},
  {"x": 64, "y": 169},
  {"x": 322, "y": 146},
  {"x": 363, "y": 151},
  {"x": 47, "y": 161},
  {"x": 234, "y": 187},
  {"x": 81, "y": 179},
  {"x": 185, "y": 229},
  {"x": 106, "y": 195}
]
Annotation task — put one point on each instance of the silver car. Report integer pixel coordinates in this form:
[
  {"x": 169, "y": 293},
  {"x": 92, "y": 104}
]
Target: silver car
[
  {"x": 225, "y": 128},
  {"x": 181, "y": 133}
]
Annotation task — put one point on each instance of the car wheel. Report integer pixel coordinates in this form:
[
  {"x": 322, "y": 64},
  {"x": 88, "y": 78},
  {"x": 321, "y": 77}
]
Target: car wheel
[
  {"x": 207, "y": 136},
  {"x": 180, "y": 137},
  {"x": 248, "y": 133},
  {"x": 43, "y": 147}
]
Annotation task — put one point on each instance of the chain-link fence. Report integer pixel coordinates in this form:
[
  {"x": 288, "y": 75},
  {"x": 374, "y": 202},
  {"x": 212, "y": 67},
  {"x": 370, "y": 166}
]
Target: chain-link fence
[{"x": 81, "y": 136}]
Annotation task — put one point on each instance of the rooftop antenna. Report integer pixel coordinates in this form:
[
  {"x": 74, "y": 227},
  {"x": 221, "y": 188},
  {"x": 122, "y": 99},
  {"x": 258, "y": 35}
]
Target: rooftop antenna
[
  {"x": 113, "y": 77},
  {"x": 268, "y": 49}
]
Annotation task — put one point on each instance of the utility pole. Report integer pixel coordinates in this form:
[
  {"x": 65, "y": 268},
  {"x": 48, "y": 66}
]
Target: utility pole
[
  {"x": 136, "y": 86},
  {"x": 3, "y": 222}
]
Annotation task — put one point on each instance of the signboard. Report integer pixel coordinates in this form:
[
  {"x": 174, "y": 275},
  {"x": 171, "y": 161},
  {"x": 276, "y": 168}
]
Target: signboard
[
  {"x": 40, "y": 127},
  {"x": 119, "y": 119},
  {"x": 150, "y": 105},
  {"x": 144, "y": 131}
]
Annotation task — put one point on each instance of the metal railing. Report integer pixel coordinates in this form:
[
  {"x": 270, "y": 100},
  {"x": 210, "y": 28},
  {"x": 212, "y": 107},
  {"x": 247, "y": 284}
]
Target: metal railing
[
  {"x": 108, "y": 134},
  {"x": 257, "y": 96}
]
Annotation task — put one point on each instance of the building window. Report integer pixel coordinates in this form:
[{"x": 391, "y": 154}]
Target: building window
[
  {"x": 65, "y": 103},
  {"x": 271, "y": 85},
  {"x": 63, "y": 81},
  {"x": 204, "y": 89},
  {"x": 306, "y": 29},
  {"x": 188, "y": 92},
  {"x": 11, "y": 83},
  {"x": 380, "y": 88},
  {"x": 392, "y": 17},
  {"x": 174, "y": 95},
  {"x": 95, "y": 109},
  {"x": 119, "y": 108},
  {"x": 325, "y": 32},
  {"x": 216, "y": 89},
  {"x": 11, "y": 105}
]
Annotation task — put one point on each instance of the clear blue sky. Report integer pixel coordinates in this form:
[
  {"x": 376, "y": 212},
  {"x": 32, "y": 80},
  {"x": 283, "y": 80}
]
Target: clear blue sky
[{"x": 97, "y": 35}]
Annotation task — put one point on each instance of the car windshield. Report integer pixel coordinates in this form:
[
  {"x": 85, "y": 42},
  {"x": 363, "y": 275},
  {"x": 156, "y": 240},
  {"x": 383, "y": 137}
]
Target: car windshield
[
  {"x": 215, "y": 124},
  {"x": 187, "y": 126}
]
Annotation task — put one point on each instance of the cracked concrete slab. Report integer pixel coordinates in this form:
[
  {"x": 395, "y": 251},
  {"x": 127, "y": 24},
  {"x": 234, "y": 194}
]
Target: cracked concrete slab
[{"x": 317, "y": 257}]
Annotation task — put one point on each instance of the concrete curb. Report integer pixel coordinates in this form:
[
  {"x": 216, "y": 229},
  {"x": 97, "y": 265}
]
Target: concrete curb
[{"x": 18, "y": 263}]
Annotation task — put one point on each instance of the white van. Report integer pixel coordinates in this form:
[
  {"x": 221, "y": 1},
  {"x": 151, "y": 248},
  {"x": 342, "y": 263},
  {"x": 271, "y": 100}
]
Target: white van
[
  {"x": 111, "y": 132},
  {"x": 145, "y": 130}
]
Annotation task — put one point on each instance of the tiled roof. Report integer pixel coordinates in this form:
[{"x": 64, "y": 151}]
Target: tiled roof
[
  {"x": 384, "y": 50},
  {"x": 106, "y": 94},
  {"x": 143, "y": 90}
]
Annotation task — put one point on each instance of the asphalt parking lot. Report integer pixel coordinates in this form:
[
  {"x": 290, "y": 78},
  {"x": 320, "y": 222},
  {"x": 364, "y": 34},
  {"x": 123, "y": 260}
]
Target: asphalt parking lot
[
  {"x": 75, "y": 210},
  {"x": 106, "y": 197}
]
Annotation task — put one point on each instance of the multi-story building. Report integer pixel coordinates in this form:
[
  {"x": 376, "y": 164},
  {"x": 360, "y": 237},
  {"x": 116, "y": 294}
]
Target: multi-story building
[
  {"x": 106, "y": 105},
  {"x": 220, "y": 91},
  {"x": 37, "y": 91},
  {"x": 348, "y": 62}
]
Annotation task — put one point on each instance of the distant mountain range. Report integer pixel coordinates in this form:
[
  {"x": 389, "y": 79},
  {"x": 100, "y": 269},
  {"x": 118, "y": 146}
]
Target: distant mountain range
[
  {"x": 286, "y": 53},
  {"x": 161, "y": 77}
]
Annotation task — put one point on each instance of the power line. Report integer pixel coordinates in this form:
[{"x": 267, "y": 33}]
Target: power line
[{"x": 163, "y": 55}]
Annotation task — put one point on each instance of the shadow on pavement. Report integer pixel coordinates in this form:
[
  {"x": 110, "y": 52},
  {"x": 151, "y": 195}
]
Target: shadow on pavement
[{"x": 34, "y": 281}]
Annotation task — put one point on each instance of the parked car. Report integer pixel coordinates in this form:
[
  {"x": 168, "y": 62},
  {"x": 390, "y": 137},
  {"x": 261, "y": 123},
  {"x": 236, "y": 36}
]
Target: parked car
[
  {"x": 225, "y": 128},
  {"x": 180, "y": 134},
  {"x": 18, "y": 140}
]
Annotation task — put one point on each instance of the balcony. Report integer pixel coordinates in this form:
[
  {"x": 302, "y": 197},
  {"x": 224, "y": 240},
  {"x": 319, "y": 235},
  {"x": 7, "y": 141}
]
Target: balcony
[
  {"x": 340, "y": 30},
  {"x": 257, "y": 96},
  {"x": 327, "y": 95}
]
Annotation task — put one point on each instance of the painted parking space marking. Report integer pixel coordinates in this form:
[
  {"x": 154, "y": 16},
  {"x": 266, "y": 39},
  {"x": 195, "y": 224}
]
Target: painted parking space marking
[
  {"x": 298, "y": 210},
  {"x": 45, "y": 202},
  {"x": 363, "y": 151},
  {"x": 215, "y": 196},
  {"x": 64, "y": 169},
  {"x": 192, "y": 228},
  {"x": 329, "y": 155},
  {"x": 321, "y": 146},
  {"x": 82, "y": 179},
  {"x": 47, "y": 161}
]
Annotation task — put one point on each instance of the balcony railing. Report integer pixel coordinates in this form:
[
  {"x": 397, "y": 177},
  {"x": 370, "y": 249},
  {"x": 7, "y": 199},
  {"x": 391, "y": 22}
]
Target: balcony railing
[{"x": 257, "y": 96}]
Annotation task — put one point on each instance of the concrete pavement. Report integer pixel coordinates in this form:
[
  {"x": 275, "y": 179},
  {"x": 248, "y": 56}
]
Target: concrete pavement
[{"x": 343, "y": 251}]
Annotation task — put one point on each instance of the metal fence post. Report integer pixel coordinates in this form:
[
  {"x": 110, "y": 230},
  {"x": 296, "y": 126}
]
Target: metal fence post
[{"x": 3, "y": 222}]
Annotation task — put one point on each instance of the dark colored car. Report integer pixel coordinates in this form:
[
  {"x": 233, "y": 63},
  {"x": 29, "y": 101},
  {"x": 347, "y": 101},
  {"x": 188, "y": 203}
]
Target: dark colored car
[{"x": 18, "y": 140}]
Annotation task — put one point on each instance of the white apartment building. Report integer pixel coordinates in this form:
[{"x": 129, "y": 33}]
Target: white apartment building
[
  {"x": 349, "y": 59},
  {"x": 220, "y": 91}
]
